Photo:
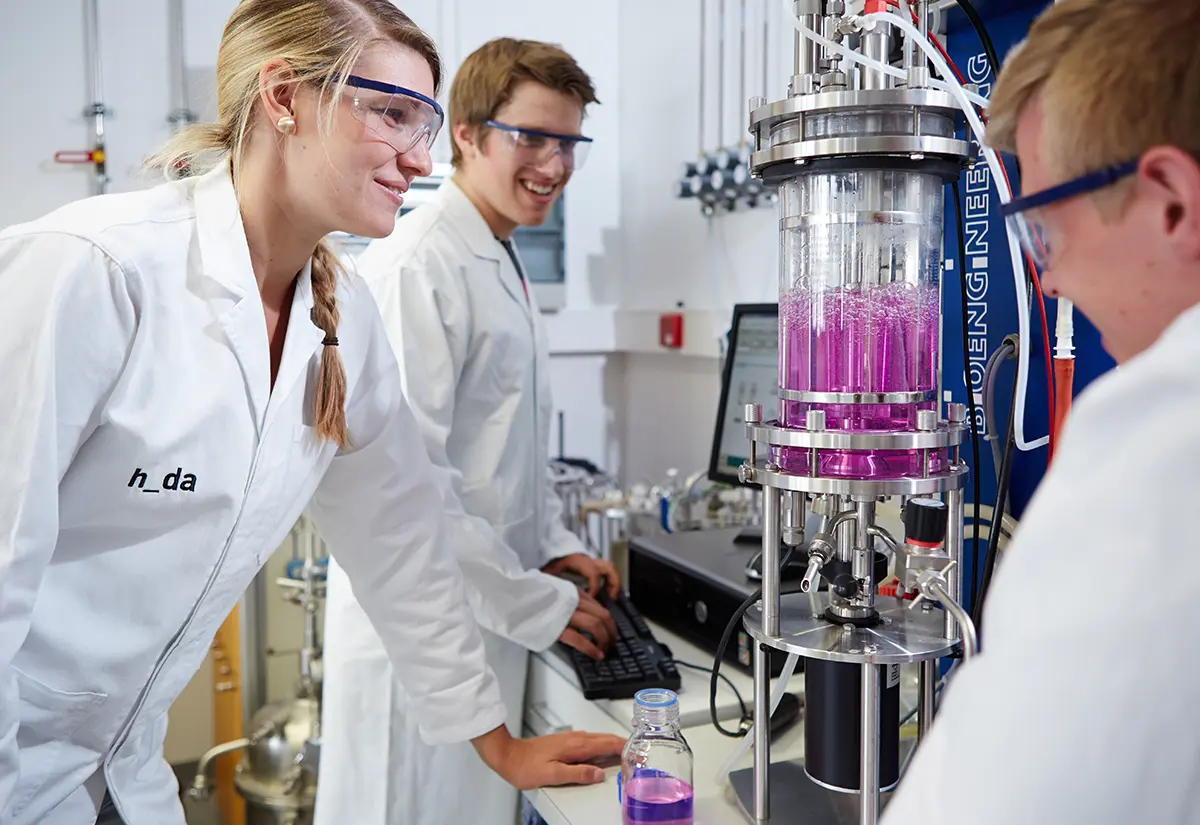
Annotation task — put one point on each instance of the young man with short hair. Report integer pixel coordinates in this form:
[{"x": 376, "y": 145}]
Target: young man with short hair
[
  {"x": 462, "y": 320},
  {"x": 1080, "y": 707}
]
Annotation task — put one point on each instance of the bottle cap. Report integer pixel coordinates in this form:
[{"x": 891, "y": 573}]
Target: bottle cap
[{"x": 656, "y": 698}]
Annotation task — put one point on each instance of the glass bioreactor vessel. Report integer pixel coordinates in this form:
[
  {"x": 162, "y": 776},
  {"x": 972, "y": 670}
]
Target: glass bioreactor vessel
[{"x": 860, "y": 158}]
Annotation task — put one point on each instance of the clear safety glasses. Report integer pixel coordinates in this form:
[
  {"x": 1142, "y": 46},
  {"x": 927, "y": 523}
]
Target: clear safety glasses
[
  {"x": 401, "y": 117},
  {"x": 1022, "y": 214},
  {"x": 534, "y": 147}
]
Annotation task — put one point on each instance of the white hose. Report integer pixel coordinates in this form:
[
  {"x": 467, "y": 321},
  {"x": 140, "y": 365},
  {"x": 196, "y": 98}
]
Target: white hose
[
  {"x": 1064, "y": 331},
  {"x": 789, "y": 667},
  {"x": 1014, "y": 247}
]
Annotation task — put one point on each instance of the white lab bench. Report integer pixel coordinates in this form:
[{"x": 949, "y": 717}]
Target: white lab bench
[{"x": 554, "y": 702}]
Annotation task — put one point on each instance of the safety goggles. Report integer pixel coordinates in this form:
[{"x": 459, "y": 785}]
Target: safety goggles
[
  {"x": 1021, "y": 214},
  {"x": 401, "y": 117},
  {"x": 534, "y": 147}
]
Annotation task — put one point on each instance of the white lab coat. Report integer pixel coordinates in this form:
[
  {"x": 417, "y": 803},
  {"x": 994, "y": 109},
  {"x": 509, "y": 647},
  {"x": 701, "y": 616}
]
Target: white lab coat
[
  {"x": 149, "y": 471},
  {"x": 473, "y": 357},
  {"x": 1081, "y": 708}
]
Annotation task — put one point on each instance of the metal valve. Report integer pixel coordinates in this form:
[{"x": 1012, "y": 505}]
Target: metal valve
[
  {"x": 932, "y": 584},
  {"x": 820, "y": 551}
]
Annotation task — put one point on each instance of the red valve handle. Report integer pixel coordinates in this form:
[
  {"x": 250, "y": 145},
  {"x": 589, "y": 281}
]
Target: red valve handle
[{"x": 79, "y": 156}]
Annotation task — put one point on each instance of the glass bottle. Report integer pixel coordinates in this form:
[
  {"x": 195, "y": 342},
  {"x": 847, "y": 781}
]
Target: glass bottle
[{"x": 655, "y": 785}]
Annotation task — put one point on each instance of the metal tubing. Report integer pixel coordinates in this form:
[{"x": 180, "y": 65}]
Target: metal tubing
[
  {"x": 766, "y": 52},
  {"x": 806, "y": 51},
  {"x": 875, "y": 531},
  {"x": 181, "y": 115},
  {"x": 970, "y": 639},
  {"x": 868, "y": 787},
  {"x": 703, "y": 69},
  {"x": 909, "y": 47},
  {"x": 794, "y": 518},
  {"x": 762, "y": 734},
  {"x": 721, "y": 76},
  {"x": 954, "y": 549},
  {"x": 875, "y": 46},
  {"x": 770, "y": 561},
  {"x": 861, "y": 567},
  {"x": 96, "y": 108},
  {"x": 927, "y": 688},
  {"x": 742, "y": 58}
]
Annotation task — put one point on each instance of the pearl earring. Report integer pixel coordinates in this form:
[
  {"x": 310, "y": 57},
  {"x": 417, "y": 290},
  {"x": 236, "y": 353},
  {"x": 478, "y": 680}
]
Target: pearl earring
[{"x": 286, "y": 124}]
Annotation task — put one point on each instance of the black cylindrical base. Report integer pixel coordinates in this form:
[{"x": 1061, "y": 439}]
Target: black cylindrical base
[{"x": 833, "y": 723}]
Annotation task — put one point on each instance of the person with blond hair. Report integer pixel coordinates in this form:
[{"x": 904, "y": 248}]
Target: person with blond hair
[
  {"x": 1079, "y": 708},
  {"x": 468, "y": 336},
  {"x": 189, "y": 369}
]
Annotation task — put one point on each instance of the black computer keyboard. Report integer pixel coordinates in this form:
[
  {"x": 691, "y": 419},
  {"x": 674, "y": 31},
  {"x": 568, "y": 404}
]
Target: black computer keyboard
[{"x": 635, "y": 662}]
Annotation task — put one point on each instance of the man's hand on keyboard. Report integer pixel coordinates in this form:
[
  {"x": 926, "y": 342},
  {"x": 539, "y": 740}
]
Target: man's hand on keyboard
[
  {"x": 591, "y": 630},
  {"x": 596, "y": 572}
]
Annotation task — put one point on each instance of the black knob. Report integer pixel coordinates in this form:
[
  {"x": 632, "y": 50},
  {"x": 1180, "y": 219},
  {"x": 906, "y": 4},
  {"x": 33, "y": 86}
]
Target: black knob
[
  {"x": 925, "y": 522},
  {"x": 845, "y": 586}
]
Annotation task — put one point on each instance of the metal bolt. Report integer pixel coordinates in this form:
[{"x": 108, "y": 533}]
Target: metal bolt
[
  {"x": 772, "y": 467},
  {"x": 918, "y": 77},
  {"x": 756, "y": 102},
  {"x": 814, "y": 421},
  {"x": 957, "y": 413},
  {"x": 835, "y": 7},
  {"x": 753, "y": 413},
  {"x": 745, "y": 474},
  {"x": 927, "y": 420}
]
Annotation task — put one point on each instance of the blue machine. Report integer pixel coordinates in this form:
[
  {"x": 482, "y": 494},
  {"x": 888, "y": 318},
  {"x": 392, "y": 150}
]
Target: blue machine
[{"x": 992, "y": 308}]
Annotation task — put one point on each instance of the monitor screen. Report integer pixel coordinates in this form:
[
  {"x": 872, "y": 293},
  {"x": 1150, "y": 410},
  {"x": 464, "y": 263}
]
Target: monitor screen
[{"x": 751, "y": 376}]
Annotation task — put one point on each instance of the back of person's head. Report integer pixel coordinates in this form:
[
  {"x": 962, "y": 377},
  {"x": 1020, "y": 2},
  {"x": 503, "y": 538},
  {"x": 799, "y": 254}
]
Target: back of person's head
[
  {"x": 488, "y": 76},
  {"x": 1115, "y": 77},
  {"x": 316, "y": 43}
]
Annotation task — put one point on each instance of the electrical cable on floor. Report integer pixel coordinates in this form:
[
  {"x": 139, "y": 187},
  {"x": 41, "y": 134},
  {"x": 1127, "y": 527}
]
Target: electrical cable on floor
[
  {"x": 962, "y": 274},
  {"x": 734, "y": 621}
]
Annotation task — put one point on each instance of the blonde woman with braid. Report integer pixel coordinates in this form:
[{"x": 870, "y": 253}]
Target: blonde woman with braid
[{"x": 188, "y": 369}]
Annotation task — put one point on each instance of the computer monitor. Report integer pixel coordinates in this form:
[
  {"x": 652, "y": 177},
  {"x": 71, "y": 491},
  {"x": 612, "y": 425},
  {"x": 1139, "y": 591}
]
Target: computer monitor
[{"x": 751, "y": 376}]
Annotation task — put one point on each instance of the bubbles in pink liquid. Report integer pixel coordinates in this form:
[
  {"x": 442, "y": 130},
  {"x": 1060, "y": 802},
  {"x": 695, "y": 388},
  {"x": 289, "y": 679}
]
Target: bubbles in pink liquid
[{"x": 859, "y": 340}]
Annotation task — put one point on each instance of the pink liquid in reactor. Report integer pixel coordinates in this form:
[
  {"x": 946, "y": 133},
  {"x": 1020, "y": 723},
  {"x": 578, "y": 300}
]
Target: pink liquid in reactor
[{"x": 881, "y": 339}]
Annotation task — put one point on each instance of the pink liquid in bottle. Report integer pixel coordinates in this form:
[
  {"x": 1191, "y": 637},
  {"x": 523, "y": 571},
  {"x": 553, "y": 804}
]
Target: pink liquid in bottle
[{"x": 661, "y": 800}]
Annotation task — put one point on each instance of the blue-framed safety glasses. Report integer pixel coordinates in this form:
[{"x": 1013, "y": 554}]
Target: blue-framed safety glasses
[
  {"x": 1021, "y": 214},
  {"x": 535, "y": 147},
  {"x": 401, "y": 117}
]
